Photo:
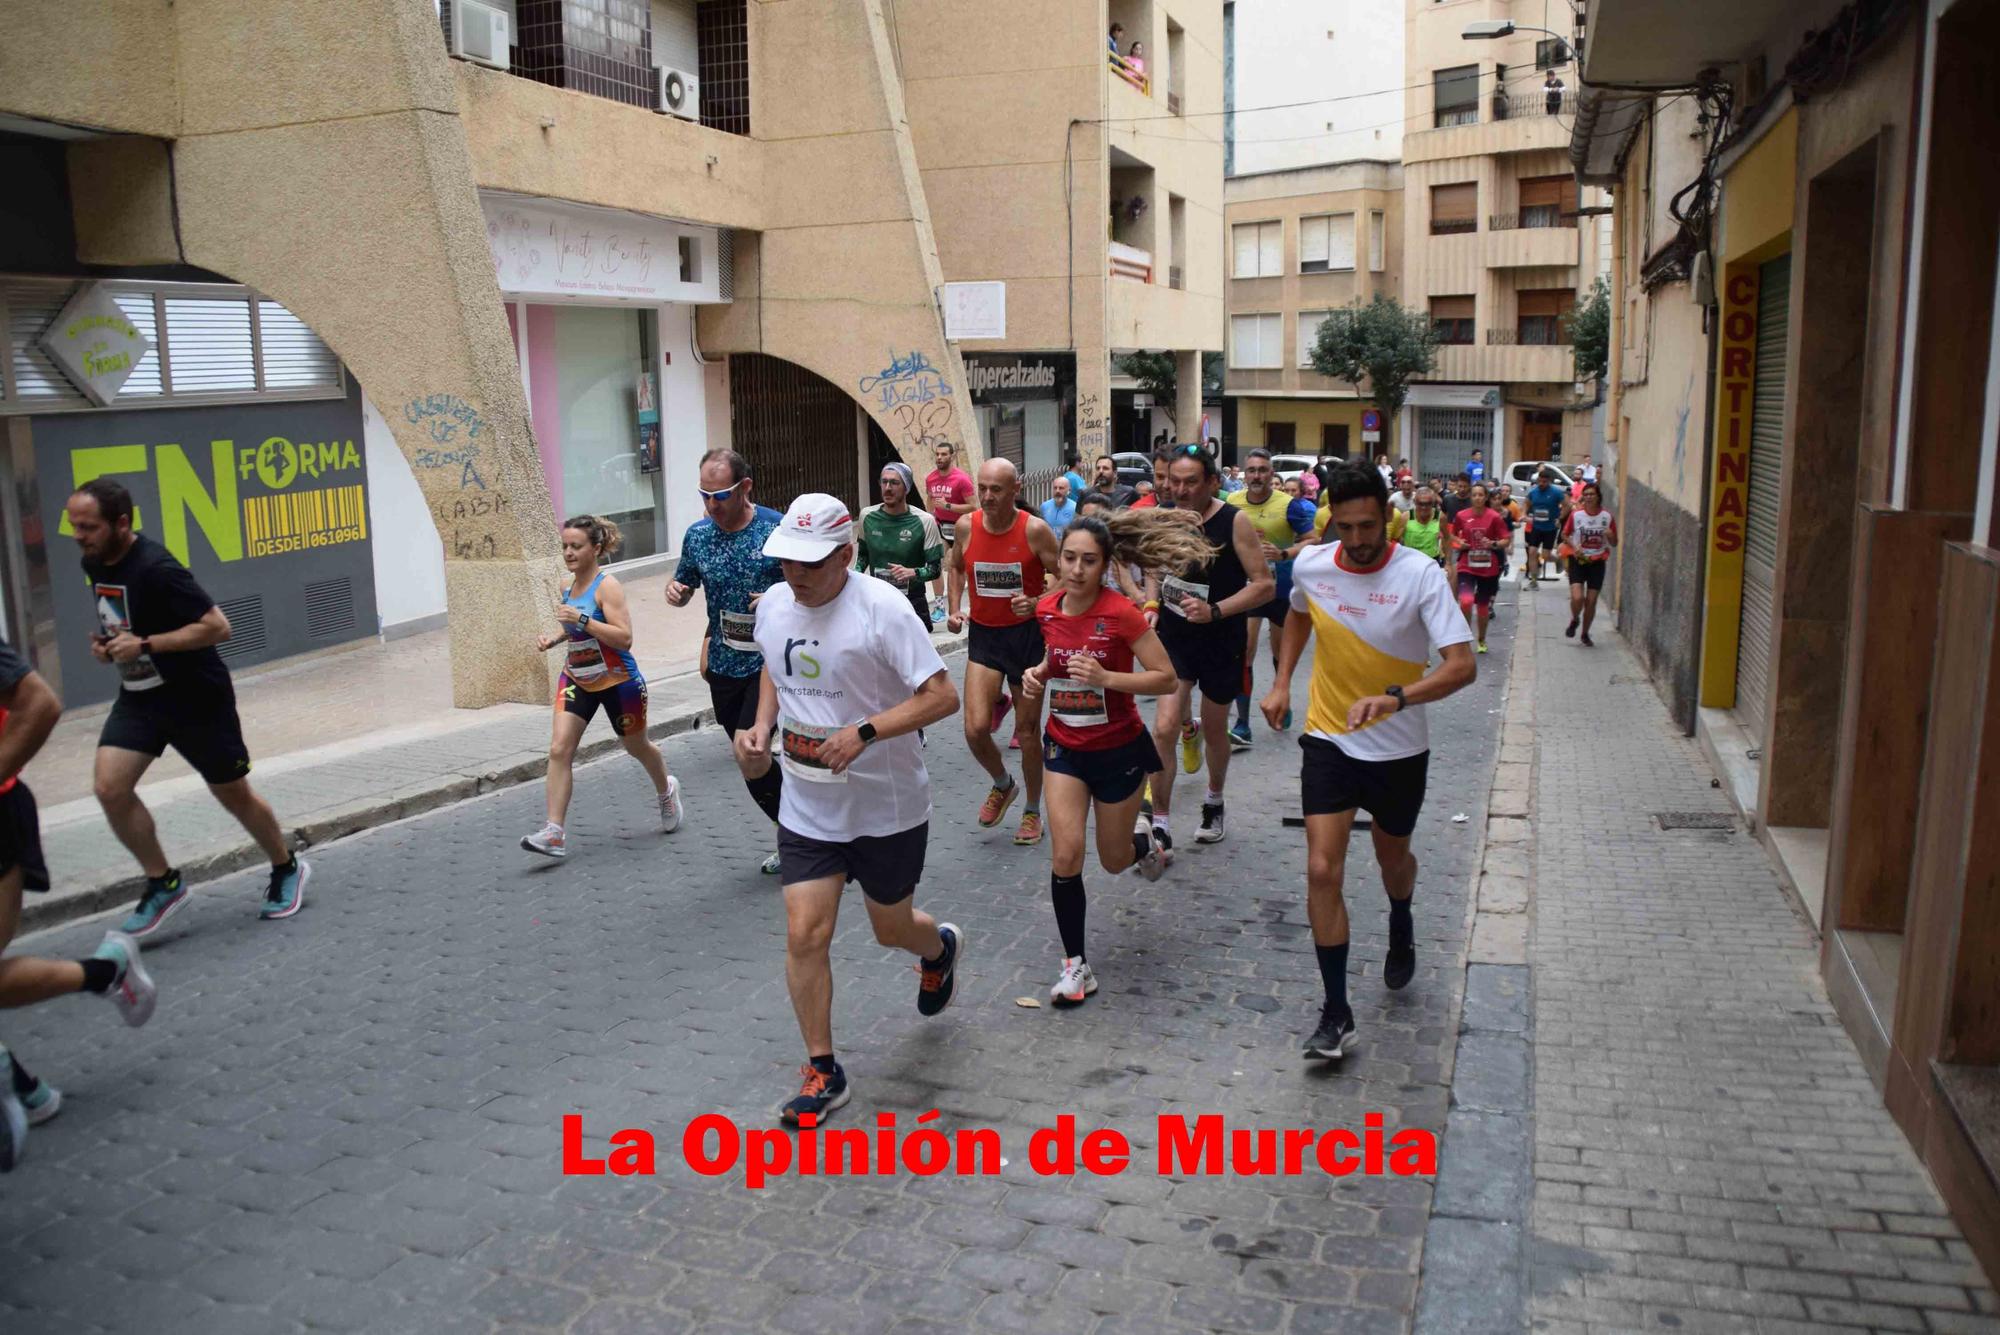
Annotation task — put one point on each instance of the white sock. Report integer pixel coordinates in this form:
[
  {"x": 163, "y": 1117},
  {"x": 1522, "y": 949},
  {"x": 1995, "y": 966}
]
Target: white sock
[{"x": 1213, "y": 796}]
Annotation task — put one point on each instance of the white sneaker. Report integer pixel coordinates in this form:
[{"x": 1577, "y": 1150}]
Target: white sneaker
[
  {"x": 670, "y": 806},
  {"x": 771, "y": 864},
  {"x": 1076, "y": 983},
  {"x": 1152, "y": 860},
  {"x": 549, "y": 841},
  {"x": 135, "y": 993}
]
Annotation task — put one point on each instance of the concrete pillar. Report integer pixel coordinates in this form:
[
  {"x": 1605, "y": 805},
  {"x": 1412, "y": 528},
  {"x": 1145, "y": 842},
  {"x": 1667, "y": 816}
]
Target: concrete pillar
[{"x": 1187, "y": 396}]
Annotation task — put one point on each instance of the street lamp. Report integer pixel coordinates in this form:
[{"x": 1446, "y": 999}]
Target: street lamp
[{"x": 1487, "y": 30}]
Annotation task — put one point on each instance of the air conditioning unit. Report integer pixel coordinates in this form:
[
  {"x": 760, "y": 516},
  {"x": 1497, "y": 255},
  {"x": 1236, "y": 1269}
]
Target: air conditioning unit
[
  {"x": 680, "y": 94},
  {"x": 480, "y": 33}
]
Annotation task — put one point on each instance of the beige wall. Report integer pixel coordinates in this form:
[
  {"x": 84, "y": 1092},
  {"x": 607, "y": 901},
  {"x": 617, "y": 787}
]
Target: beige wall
[{"x": 1254, "y": 414}]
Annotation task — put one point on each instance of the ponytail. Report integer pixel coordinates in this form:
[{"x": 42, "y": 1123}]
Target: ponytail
[{"x": 603, "y": 534}]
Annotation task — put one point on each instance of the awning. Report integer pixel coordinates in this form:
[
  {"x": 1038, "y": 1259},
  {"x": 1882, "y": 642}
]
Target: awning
[{"x": 1606, "y": 124}]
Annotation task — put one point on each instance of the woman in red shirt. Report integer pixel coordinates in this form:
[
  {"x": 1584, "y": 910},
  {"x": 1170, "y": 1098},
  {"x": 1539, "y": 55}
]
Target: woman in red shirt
[
  {"x": 1101, "y": 652},
  {"x": 1479, "y": 535}
]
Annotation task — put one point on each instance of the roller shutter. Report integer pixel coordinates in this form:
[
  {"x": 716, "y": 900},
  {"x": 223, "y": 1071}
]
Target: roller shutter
[{"x": 1767, "y": 460}]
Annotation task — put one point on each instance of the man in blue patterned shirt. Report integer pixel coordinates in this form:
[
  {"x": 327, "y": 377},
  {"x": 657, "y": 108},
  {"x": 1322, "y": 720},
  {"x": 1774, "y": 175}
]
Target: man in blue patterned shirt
[{"x": 724, "y": 554}]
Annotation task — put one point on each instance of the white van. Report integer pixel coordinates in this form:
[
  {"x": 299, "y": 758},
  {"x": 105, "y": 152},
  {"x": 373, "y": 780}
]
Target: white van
[{"x": 1522, "y": 473}]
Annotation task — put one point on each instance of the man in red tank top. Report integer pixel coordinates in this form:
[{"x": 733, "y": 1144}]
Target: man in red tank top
[{"x": 1001, "y": 554}]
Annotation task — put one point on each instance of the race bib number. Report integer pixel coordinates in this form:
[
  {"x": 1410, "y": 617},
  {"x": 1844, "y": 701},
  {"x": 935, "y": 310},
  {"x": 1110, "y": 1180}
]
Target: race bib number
[
  {"x": 1173, "y": 588},
  {"x": 882, "y": 573},
  {"x": 114, "y": 615},
  {"x": 739, "y": 631},
  {"x": 1544, "y": 518},
  {"x": 1481, "y": 561},
  {"x": 801, "y": 745},
  {"x": 585, "y": 663},
  {"x": 1076, "y": 705},
  {"x": 996, "y": 579},
  {"x": 1592, "y": 542}
]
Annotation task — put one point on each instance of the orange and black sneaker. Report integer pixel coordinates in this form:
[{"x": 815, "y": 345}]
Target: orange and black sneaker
[
  {"x": 940, "y": 976},
  {"x": 820, "y": 1092},
  {"x": 997, "y": 801},
  {"x": 1031, "y": 828}
]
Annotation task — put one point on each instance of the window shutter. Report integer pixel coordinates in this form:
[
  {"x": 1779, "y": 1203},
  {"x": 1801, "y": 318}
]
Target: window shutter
[
  {"x": 1309, "y": 323},
  {"x": 1456, "y": 88},
  {"x": 1271, "y": 341},
  {"x": 294, "y": 357},
  {"x": 1270, "y": 250},
  {"x": 1547, "y": 301},
  {"x": 1312, "y": 241},
  {"x": 1451, "y": 308},
  {"x": 1377, "y": 231},
  {"x": 1341, "y": 252},
  {"x": 1246, "y": 250},
  {"x": 209, "y": 345},
  {"x": 1458, "y": 203},
  {"x": 31, "y": 309},
  {"x": 1540, "y": 190}
]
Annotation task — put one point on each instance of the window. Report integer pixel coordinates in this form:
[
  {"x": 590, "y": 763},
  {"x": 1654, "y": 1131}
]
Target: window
[
  {"x": 1309, "y": 323},
  {"x": 1326, "y": 242},
  {"x": 600, "y": 354},
  {"x": 1545, "y": 199},
  {"x": 1551, "y": 52},
  {"x": 1455, "y": 94},
  {"x": 1377, "y": 233},
  {"x": 1256, "y": 342},
  {"x": 1451, "y": 317},
  {"x": 1454, "y": 208},
  {"x": 1260, "y": 250},
  {"x": 1544, "y": 315}
]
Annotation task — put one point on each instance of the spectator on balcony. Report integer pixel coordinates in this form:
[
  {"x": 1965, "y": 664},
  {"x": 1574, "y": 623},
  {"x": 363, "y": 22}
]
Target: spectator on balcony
[
  {"x": 1135, "y": 59},
  {"x": 1552, "y": 93},
  {"x": 1117, "y": 31},
  {"x": 1059, "y": 509}
]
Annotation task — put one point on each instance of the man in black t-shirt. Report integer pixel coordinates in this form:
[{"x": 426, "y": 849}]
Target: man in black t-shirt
[
  {"x": 160, "y": 631},
  {"x": 28, "y": 711}
]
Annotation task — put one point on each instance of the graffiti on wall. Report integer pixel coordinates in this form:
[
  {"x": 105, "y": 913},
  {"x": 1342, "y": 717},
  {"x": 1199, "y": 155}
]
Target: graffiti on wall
[
  {"x": 1089, "y": 426},
  {"x": 914, "y": 395}
]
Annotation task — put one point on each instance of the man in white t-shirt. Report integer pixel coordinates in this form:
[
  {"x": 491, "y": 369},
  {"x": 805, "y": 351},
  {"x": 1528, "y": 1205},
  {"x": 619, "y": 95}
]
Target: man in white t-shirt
[
  {"x": 1376, "y": 609},
  {"x": 849, "y": 677}
]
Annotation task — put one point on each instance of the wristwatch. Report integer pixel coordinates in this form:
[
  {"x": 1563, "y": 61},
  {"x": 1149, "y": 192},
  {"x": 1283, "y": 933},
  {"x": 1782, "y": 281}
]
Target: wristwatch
[
  {"x": 1395, "y": 693},
  {"x": 866, "y": 731},
  {"x": 583, "y": 621}
]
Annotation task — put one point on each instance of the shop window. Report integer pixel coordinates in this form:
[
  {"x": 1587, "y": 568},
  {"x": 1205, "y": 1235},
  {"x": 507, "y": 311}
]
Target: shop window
[
  {"x": 1454, "y": 208},
  {"x": 599, "y": 356},
  {"x": 1260, "y": 250},
  {"x": 1455, "y": 94},
  {"x": 1326, "y": 242},
  {"x": 1256, "y": 342},
  {"x": 1544, "y": 317},
  {"x": 1451, "y": 317}
]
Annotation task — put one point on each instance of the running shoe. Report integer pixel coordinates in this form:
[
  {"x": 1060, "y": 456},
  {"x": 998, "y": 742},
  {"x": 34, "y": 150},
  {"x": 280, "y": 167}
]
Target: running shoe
[
  {"x": 1574, "y": 622},
  {"x": 163, "y": 898},
  {"x": 1482, "y": 646},
  {"x": 1212, "y": 828},
  {"x": 13, "y": 1131},
  {"x": 940, "y": 981},
  {"x": 997, "y": 801},
  {"x": 1334, "y": 1036},
  {"x": 42, "y": 1102},
  {"x": 1401, "y": 964},
  {"x": 1014, "y": 742},
  {"x": 1076, "y": 983},
  {"x": 1191, "y": 748},
  {"x": 1239, "y": 736},
  {"x": 286, "y": 894},
  {"x": 1148, "y": 853},
  {"x": 134, "y": 993},
  {"x": 1000, "y": 711},
  {"x": 819, "y": 1094},
  {"x": 1588, "y": 643},
  {"x": 937, "y": 611},
  {"x": 549, "y": 841},
  {"x": 670, "y": 806},
  {"x": 1031, "y": 828},
  {"x": 771, "y": 865}
]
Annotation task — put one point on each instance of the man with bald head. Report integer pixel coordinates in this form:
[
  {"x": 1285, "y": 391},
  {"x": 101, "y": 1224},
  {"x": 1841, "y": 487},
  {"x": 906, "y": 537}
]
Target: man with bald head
[{"x": 1005, "y": 555}]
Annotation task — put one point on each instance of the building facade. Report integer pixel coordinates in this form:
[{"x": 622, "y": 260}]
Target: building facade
[
  {"x": 610, "y": 234},
  {"x": 1845, "y": 250}
]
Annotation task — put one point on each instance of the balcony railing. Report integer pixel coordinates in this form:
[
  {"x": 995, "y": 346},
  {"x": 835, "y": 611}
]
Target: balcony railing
[
  {"x": 1521, "y": 106},
  {"x": 1453, "y": 226},
  {"x": 1137, "y": 78},
  {"x": 1540, "y": 215},
  {"x": 1131, "y": 262},
  {"x": 1550, "y": 336}
]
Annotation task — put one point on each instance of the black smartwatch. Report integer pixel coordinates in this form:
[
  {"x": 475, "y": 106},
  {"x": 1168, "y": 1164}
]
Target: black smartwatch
[
  {"x": 1396, "y": 693},
  {"x": 866, "y": 731}
]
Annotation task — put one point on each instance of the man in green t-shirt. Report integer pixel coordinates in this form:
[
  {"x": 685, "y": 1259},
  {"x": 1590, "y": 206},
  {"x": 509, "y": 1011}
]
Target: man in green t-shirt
[{"x": 900, "y": 544}]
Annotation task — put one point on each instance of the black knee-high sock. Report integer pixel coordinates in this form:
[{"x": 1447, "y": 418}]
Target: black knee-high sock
[
  {"x": 1067, "y": 894},
  {"x": 764, "y": 791},
  {"x": 23, "y": 1082},
  {"x": 1333, "y": 974}
]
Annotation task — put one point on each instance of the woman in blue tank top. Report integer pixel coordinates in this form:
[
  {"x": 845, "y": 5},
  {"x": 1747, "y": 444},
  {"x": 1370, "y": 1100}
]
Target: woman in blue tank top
[{"x": 598, "y": 670}]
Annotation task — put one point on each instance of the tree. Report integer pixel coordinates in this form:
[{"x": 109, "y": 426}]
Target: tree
[
  {"x": 1590, "y": 333},
  {"x": 1158, "y": 374},
  {"x": 1384, "y": 343}
]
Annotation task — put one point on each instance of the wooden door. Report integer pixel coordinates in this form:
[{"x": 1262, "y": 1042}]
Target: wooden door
[{"x": 1333, "y": 440}]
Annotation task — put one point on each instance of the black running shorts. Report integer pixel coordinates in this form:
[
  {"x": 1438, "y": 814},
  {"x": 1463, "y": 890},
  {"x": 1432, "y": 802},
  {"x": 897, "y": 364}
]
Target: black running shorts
[
  {"x": 21, "y": 838},
  {"x": 202, "y": 727},
  {"x": 624, "y": 703},
  {"x": 1542, "y": 537},
  {"x": 734, "y": 699},
  {"x": 1008, "y": 650},
  {"x": 1212, "y": 660},
  {"x": 1590, "y": 574},
  {"x": 1391, "y": 791},
  {"x": 1113, "y": 774},
  {"x": 1477, "y": 588},
  {"x": 888, "y": 866}
]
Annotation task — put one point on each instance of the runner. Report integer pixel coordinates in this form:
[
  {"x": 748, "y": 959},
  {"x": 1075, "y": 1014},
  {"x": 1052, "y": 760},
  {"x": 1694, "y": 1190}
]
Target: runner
[
  {"x": 901, "y": 545},
  {"x": 723, "y": 552},
  {"x": 1589, "y": 535},
  {"x": 598, "y": 670},
  {"x": 1375, "y": 610},
  {"x": 1102, "y": 650},
  {"x": 1546, "y": 507},
  {"x": 1477, "y": 534},
  {"x": 160, "y": 630},
  {"x": 1202, "y": 627},
  {"x": 1161, "y": 495},
  {"x": 1006, "y": 551},
  {"x": 28, "y": 711},
  {"x": 1285, "y": 527},
  {"x": 1423, "y": 531},
  {"x": 949, "y": 488},
  {"x": 846, "y": 684}
]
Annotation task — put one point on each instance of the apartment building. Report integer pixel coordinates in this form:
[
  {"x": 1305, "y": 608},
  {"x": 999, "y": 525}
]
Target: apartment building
[
  {"x": 532, "y": 257},
  {"x": 1493, "y": 243}
]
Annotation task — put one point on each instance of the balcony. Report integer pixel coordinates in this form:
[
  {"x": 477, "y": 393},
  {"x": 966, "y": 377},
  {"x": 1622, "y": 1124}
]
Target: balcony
[
  {"x": 1525, "y": 134},
  {"x": 1529, "y": 247},
  {"x": 1501, "y": 358},
  {"x": 1520, "y": 106},
  {"x": 1123, "y": 69},
  {"x": 1132, "y": 263}
]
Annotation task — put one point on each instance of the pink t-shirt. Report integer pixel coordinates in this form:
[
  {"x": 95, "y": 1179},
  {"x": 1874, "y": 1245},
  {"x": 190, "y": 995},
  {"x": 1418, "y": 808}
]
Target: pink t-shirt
[
  {"x": 1487, "y": 523},
  {"x": 945, "y": 490}
]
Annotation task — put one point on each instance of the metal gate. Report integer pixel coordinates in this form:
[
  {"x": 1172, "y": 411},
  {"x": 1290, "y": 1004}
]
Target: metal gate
[
  {"x": 796, "y": 429},
  {"x": 1767, "y": 458},
  {"x": 1446, "y": 438}
]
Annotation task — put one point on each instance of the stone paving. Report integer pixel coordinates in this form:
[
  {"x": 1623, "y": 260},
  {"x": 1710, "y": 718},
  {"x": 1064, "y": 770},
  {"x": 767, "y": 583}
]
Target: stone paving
[{"x": 350, "y": 1121}]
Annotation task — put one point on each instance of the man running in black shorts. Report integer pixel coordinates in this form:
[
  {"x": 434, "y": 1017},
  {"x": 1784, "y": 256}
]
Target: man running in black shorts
[
  {"x": 1375, "y": 610},
  {"x": 160, "y": 630},
  {"x": 28, "y": 711},
  {"x": 1201, "y": 624},
  {"x": 724, "y": 554}
]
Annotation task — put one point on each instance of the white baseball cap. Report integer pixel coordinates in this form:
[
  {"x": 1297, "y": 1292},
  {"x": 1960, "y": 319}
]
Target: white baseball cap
[{"x": 814, "y": 526}]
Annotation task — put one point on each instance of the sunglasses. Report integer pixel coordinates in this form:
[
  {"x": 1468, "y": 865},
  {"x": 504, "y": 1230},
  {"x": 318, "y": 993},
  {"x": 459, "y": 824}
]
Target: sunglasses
[{"x": 724, "y": 494}]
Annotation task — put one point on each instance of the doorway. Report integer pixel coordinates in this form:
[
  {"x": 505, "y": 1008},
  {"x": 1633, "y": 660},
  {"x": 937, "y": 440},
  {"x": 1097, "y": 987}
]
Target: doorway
[
  {"x": 1281, "y": 437},
  {"x": 1540, "y": 429},
  {"x": 1333, "y": 440}
]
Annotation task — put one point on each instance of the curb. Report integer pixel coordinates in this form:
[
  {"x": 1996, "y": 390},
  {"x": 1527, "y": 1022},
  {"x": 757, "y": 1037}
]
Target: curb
[{"x": 58, "y": 907}]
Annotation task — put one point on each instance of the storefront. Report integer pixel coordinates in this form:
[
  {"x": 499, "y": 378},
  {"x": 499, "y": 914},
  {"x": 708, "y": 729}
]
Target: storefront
[
  {"x": 1026, "y": 403},
  {"x": 601, "y": 305},
  {"x": 1444, "y": 424}
]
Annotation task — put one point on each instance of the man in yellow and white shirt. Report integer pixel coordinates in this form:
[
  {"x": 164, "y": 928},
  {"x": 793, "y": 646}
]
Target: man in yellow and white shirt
[{"x": 1377, "y": 610}]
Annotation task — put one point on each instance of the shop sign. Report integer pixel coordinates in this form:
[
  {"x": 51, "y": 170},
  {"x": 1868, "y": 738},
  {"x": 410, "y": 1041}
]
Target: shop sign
[
  {"x": 569, "y": 251},
  {"x": 1454, "y": 396},
  {"x": 94, "y": 343},
  {"x": 1005, "y": 378},
  {"x": 1729, "y": 504},
  {"x": 974, "y": 310}
]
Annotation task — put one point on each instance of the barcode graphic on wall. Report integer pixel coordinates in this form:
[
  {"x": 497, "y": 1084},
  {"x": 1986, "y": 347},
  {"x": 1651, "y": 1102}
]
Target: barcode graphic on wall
[{"x": 292, "y": 521}]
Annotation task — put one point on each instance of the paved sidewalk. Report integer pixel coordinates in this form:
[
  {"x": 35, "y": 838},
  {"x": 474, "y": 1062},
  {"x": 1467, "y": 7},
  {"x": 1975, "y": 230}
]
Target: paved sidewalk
[{"x": 1709, "y": 1153}]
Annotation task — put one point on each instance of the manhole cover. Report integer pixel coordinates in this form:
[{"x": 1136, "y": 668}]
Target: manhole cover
[{"x": 1694, "y": 820}]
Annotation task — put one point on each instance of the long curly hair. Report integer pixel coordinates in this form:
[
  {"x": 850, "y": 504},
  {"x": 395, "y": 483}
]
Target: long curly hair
[{"x": 1168, "y": 541}]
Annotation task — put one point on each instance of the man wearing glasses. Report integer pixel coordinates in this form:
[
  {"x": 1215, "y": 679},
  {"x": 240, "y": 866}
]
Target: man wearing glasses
[{"x": 724, "y": 553}]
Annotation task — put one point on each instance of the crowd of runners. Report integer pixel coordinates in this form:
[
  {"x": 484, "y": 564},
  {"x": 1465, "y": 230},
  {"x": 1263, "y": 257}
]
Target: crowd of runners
[{"x": 819, "y": 655}]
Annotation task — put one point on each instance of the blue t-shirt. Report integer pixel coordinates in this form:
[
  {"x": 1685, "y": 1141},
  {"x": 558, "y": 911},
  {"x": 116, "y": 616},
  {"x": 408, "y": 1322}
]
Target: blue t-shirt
[
  {"x": 732, "y": 568},
  {"x": 1076, "y": 483},
  {"x": 1056, "y": 516},
  {"x": 1476, "y": 471},
  {"x": 1544, "y": 506}
]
